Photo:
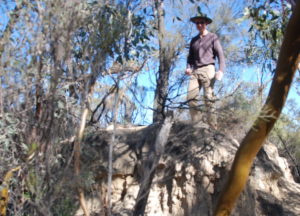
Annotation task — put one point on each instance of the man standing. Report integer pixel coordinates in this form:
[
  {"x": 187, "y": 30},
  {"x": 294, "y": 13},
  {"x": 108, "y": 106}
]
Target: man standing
[{"x": 204, "y": 48}]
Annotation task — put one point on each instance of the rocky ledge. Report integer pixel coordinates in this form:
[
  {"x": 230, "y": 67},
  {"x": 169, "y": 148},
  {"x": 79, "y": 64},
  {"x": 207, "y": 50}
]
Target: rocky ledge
[{"x": 189, "y": 175}]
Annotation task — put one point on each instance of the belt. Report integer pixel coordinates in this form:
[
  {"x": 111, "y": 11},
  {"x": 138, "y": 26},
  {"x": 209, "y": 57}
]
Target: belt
[{"x": 204, "y": 65}]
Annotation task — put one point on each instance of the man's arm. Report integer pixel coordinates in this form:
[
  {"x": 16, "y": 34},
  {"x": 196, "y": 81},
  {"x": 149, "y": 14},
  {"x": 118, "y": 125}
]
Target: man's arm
[
  {"x": 190, "y": 61},
  {"x": 219, "y": 53}
]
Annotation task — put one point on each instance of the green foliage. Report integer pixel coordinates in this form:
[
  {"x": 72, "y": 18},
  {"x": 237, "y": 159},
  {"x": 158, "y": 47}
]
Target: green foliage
[
  {"x": 267, "y": 27},
  {"x": 65, "y": 206},
  {"x": 54, "y": 53},
  {"x": 244, "y": 102},
  {"x": 114, "y": 30},
  {"x": 11, "y": 143},
  {"x": 286, "y": 134},
  {"x": 8, "y": 129}
]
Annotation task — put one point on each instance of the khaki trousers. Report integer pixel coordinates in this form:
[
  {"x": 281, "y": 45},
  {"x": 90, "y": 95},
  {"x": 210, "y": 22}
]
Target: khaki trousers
[{"x": 202, "y": 77}]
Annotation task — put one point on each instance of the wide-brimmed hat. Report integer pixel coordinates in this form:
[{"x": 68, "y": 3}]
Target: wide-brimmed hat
[{"x": 201, "y": 17}]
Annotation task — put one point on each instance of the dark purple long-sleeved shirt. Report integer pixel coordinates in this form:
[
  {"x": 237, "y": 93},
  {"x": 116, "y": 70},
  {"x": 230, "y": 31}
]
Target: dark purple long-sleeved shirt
[{"x": 203, "y": 51}]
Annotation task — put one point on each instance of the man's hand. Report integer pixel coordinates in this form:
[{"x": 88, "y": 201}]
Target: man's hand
[
  {"x": 219, "y": 75},
  {"x": 188, "y": 71}
]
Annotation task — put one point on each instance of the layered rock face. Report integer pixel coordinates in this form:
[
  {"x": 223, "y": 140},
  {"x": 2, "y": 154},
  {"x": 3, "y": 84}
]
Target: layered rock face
[{"x": 189, "y": 176}]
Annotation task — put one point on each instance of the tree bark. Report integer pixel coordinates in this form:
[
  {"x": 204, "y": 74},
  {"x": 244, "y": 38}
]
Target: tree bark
[
  {"x": 161, "y": 91},
  {"x": 286, "y": 67},
  {"x": 77, "y": 160}
]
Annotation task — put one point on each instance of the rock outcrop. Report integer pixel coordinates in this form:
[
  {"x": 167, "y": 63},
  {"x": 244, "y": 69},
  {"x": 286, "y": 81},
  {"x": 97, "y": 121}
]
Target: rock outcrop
[{"x": 189, "y": 176}]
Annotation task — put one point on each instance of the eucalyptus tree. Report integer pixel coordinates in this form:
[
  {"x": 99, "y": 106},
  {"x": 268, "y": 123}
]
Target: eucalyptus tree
[
  {"x": 287, "y": 64},
  {"x": 53, "y": 54}
]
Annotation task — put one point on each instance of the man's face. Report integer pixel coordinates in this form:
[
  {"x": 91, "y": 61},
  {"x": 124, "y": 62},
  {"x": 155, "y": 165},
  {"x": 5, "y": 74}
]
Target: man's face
[{"x": 201, "y": 25}]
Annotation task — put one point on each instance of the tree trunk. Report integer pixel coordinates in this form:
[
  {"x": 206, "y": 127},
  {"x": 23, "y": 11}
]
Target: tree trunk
[
  {"x": 161, "y": 91},
  {"x": 77, "y": 147},
  {"x": 149, "y": 166},
  {"x": 286, "y": 67}
]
